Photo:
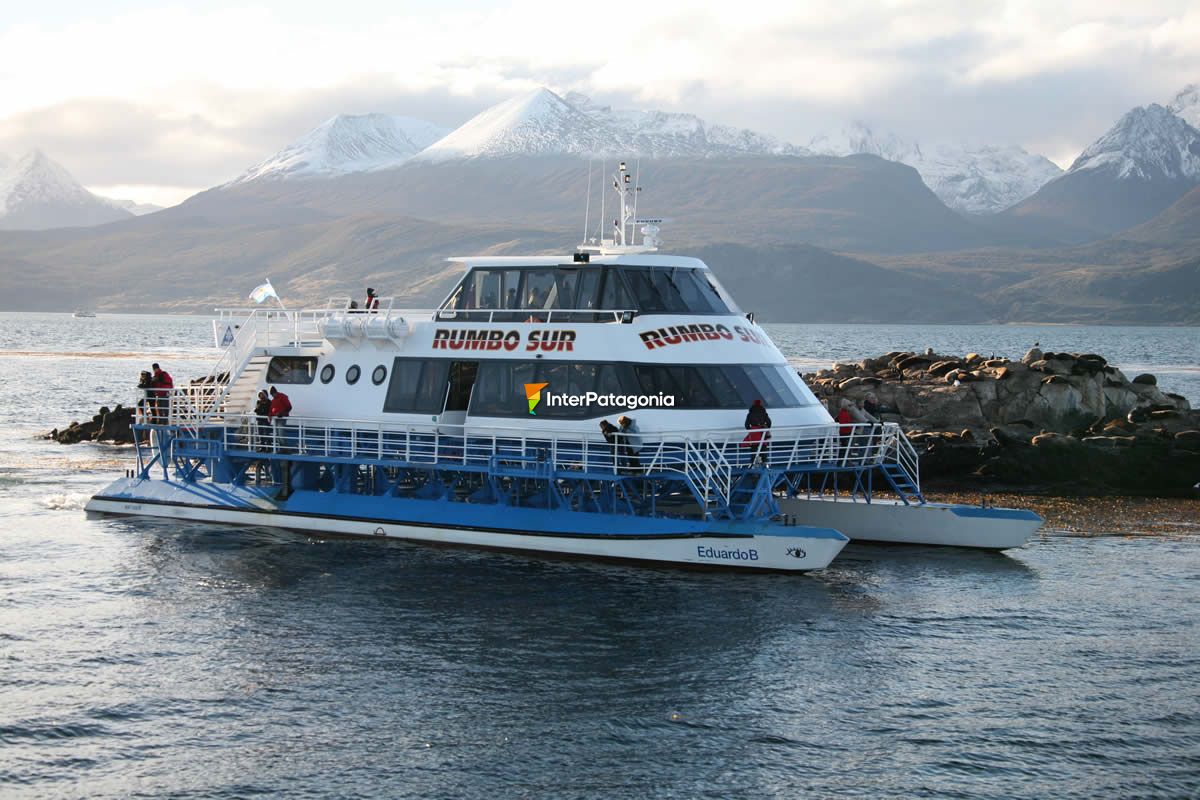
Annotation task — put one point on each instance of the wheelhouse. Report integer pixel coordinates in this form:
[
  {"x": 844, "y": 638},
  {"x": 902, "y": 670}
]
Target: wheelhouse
[{"x": 585, "y": 292}]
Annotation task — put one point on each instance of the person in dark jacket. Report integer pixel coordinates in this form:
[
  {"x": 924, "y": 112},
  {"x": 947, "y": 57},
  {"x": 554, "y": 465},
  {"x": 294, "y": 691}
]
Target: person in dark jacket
[
  {"x": 262, "y": 410},
  {"x": 871, "y": 405},
  {"x": 758, "y": 422},
  {"x": 630, "y": 444}
]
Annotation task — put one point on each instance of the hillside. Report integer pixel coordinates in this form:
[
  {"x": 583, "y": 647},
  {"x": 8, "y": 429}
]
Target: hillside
[{"x": 859, "y": 202}]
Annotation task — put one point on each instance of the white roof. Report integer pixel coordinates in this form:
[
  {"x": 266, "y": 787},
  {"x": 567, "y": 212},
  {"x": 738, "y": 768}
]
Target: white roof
[{"x": 640, "y": 259}]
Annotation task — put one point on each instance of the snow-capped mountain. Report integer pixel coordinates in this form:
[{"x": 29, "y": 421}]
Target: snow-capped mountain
[
  {"x": 664, "y": 134},
  {"x": 1186, "y": 104},
  {"x": 1148, "y": 143},
  {"x": 1145, "y": 162},
  {"x": 348, "y": 143},
  {"x": 541, "y": 122},
  {"x": 975, "y": 179},
  {"x": 36, "y": 193}
]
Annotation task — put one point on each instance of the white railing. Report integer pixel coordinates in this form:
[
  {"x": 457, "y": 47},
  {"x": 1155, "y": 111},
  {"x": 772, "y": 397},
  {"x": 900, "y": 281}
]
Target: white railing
[
  {"x": 707, "y": 457},
  {"x": 535, "y": 314}
]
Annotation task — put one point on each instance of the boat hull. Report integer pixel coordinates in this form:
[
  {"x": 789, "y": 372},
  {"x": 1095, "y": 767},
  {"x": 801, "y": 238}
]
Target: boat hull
[
  {"x": 930, "y": 523},
  {"x": 739, "y": 545}
]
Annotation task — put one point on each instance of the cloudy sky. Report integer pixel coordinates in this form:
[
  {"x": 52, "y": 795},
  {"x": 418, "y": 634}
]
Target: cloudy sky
[{"x": 153, "y": 102}]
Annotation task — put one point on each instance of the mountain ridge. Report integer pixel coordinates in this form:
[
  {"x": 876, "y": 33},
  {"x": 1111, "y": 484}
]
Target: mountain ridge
[
  {"x": 37, "y": 192},
  {"x": 347, "y": 143}
]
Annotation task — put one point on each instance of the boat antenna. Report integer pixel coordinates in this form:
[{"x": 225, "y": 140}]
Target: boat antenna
[
  {"x": 603, "y": 166},
  {"x": 637, "y": 188},
  {"x": 587, "y": 208}
]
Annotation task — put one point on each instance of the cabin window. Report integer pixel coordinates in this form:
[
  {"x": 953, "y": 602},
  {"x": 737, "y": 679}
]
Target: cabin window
[
  {"x": 488, "y": 289},
  {"x": 327, "y": 373},
  {"x": 723, "y": 386},
  {"x": 588, "y": 293},
  {"x": 418, "y": 386},
  {"x": 352, "y": 374},
  {"x": 499, "y": 388},
  {"x": 673, "y": 290},
  {"x": 540, "y": 289},
  {"x": 292, "y": 369},
  {"x": 496, "y": 388},
  {"x": 614, "y": 296},
  {"x": 379, "y": 375}
]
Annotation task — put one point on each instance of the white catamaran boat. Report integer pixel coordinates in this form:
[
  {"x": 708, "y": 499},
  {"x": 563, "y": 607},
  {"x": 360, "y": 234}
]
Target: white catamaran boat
[{"x": 479, "y": 423}]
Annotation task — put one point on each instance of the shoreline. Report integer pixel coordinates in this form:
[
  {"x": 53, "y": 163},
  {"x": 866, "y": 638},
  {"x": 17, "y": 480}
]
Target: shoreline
[{"x": 1093, "y": 516}]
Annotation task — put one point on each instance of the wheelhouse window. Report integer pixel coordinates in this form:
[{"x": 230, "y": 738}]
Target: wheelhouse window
[
  {"x": 673, "y": 290},
  {"x": 646, "y": 289},
  {"x": 292, "y": 369}
]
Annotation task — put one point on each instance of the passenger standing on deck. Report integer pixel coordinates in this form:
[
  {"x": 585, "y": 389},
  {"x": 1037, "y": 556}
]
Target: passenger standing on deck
[
  {"x": 262, "y": 410},
  {"x": 864, "y": 437},
  {"x": 163, "y": 384},
  {"x": 372, "y": 304},
  {"x": 631, "y": 443},
  {"x": 758, "y": 423},
  {"x": 871, "y": 405},
  {"x": 281, "y": 409},
  {"x": 846, "y": 421},
  {"x": 145, "y": 401}
]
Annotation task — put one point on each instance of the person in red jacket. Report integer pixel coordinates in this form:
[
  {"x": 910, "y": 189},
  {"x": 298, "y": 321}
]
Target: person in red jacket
[
  {"x": 162, "y": 384},
  {"x": 281, "y": 409},
  {"x": 846, "y": 420}
]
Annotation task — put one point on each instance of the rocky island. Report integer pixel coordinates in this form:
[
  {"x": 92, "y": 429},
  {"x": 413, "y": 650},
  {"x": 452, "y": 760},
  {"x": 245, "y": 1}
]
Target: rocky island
[{"x": 1054, "y": 422}]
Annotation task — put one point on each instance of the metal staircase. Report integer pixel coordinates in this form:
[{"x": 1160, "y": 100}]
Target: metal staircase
[
  {"x": 902, "y": 483},
  {"x": 711, "y": 475},
  {"x": 243, "y": 391}
]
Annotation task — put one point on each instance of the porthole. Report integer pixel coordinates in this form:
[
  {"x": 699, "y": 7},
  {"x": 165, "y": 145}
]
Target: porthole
[
  {"x": 379, "y": 375},
  {"x": 327, "y": 372},
  {"x": 352, "y": 374}
]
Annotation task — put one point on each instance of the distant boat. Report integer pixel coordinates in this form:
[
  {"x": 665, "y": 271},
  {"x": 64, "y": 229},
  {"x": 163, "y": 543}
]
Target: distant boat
[{"x": 81, "y": 314}]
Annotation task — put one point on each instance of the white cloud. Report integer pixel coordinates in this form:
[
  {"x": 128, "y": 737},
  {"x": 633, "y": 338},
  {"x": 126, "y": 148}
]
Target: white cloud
[{"x": 212, "y": 89}]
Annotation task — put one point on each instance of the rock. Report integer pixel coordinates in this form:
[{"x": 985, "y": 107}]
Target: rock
[
  {"x": 1146, "y": 379},
  {"x": 1188, "y": 440},
  {"x": 1033, "y": 355},
  {"x": 1055, "y": 380}
]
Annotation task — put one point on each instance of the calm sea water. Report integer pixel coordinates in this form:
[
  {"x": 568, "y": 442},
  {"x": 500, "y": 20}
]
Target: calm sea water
[{"x": 158, "y": 659}]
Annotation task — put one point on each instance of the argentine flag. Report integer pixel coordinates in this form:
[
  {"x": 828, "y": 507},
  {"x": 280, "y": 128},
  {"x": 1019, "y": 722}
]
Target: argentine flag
[{"x": 263, "y": 292}]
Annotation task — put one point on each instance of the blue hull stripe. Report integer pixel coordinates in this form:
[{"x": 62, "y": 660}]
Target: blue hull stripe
[
  {"x": 995, "y": 513},
  {"x": 712, "y": 534}
]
